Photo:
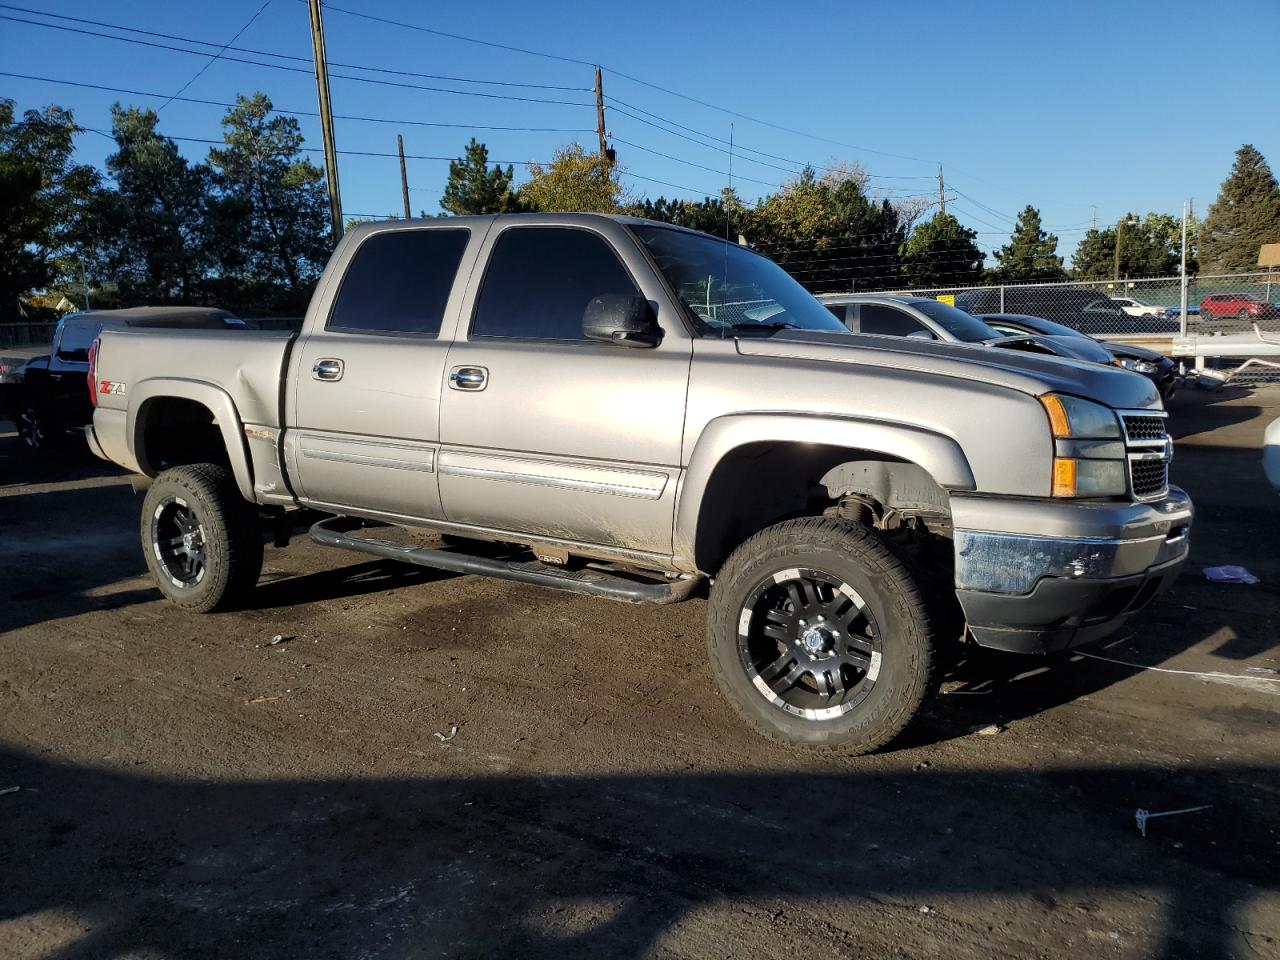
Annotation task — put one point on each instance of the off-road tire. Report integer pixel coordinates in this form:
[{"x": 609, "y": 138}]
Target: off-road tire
[
  {"x": 855, "y": 555},
  {"x": 229, "y": 529},
  {"x": 33, "y": 431}
]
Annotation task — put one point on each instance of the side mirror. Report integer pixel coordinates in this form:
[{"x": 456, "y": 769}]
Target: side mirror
[{"x": 623, "y": 319}]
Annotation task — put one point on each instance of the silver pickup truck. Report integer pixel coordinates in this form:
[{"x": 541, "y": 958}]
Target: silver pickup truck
[{"x": 632, "y": 410}]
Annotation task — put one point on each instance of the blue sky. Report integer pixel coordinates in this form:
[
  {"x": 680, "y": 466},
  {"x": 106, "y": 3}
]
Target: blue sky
[{"x": 1126, "y": 106}]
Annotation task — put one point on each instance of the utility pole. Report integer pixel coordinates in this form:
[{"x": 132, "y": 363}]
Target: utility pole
[
  {"x": 326, "y": 118},
  {"x": 942, "y": 190},
  {"x": 404, "y": 176},
  {"x": 1093, "y": 219},
  {"x": 1186, "y": 209},
  {"x": 604, "y": 147}
]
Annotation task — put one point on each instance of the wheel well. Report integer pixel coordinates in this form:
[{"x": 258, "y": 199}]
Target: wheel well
[
  {"x": 760, "y": 484},
  {"x": 173, "y": 431}
]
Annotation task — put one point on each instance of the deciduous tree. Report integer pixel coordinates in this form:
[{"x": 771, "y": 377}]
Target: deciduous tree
[
  {"x": 574, "y": 181},
  {"x": 43, "y": 196}
]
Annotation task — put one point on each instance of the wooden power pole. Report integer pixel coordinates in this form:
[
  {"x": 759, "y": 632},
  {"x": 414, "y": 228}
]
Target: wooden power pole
[
  {"x": 942, "y": 190},
  {"x": 604, "y": 147},
  {"x": 326, "y": 118},
  {"x": 404, "y": 176}
]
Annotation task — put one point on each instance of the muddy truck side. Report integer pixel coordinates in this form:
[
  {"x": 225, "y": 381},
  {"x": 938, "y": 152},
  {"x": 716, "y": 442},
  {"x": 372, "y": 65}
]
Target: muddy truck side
[{"x": 640, "y": 412}]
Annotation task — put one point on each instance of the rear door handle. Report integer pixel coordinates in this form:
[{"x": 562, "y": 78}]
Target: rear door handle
[
  {"x": 468, "y": 378},
  {"x": 327, "y": 369}
]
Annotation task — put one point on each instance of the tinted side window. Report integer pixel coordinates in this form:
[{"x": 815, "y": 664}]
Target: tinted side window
[
  {"x": 540, "y": 280},
  {"x": 399, "y": 282},
  {"x": 886, "y": 320},
  {"x": 73, "y": 346},
  {"x": 839, "y": 311}
]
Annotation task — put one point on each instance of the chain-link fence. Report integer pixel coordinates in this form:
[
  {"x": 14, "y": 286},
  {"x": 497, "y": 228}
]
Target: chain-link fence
[{"x": 1238, "y": 306}]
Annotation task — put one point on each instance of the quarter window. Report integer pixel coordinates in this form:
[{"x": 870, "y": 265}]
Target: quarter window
[
  {"x": 398, "y": 282},
  {"x": 540, "y": 280}
]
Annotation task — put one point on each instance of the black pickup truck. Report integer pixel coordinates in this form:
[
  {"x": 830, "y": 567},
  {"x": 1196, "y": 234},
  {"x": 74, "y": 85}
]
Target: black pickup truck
[{"x": 50, "y": 399}]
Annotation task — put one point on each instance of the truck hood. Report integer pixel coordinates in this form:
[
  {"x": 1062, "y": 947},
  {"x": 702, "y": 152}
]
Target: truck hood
[{"x": 1030, "y": 373}]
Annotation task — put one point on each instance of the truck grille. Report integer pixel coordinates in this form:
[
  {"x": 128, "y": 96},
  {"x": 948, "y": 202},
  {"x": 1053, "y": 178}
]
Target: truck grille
[
  {"x": 1143, "y": 427},
  {"x": 1149, "y": 478},
  {"x": 1147, "y": 444}
]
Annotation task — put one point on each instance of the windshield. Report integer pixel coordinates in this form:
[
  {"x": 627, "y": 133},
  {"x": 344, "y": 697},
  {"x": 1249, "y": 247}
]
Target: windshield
[
  {"x": 961, "y": 325},
  {"x": 732, "y": 290},
  {"x": 1036, "y": 325}
]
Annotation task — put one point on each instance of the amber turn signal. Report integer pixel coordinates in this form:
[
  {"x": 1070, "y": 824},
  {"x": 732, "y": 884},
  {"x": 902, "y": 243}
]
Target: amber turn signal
[{"x": 1064, "y": 476}]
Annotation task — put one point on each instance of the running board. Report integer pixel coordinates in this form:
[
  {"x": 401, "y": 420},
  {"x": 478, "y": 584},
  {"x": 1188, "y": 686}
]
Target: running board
[{"x": 596, "y": 583}]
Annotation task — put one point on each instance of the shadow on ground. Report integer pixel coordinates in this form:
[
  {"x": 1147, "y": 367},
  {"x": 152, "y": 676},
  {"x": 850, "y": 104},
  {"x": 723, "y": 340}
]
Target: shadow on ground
[{"x": 497, "y": 866}]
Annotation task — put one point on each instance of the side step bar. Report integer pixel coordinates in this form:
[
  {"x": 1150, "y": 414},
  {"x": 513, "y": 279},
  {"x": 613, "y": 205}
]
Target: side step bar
[{"x": 334, "y": 532}]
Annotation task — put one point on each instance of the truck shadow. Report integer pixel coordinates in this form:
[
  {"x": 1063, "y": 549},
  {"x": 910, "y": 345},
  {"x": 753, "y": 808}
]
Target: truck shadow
[{"x": 564, "y": 866}]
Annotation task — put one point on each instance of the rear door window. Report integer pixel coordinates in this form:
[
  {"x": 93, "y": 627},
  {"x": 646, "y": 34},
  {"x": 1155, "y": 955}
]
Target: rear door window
[
  {"x": 875, "y": 318},
  {"x": 540, "y": 280},
  {"x": 77, "y": 335},
  {"x": 398, "y": 282}
]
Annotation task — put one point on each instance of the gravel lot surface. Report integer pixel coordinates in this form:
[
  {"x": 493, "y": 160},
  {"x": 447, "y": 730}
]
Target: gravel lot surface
[{"x": 187, "y": 789}]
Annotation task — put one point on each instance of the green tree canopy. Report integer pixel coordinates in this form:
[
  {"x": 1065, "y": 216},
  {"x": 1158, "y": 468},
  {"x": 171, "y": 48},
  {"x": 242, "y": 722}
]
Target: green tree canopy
[
  {"x": 828, "y": 233},
  {"x": 277, "y": 196},
  {"x": 941, "y": 253},
  {"x": 43, "y": 198},
  {"x": 1245, "y": 215},
  {"x": 722, "y": 216},
  {"x": 574, "y": 181},
  {"x": 1030, "y": 254},
  {"x": 152, "y": 225},
  {"x": 1150, "y": 247},
  {"x": 474, "y": 188}
]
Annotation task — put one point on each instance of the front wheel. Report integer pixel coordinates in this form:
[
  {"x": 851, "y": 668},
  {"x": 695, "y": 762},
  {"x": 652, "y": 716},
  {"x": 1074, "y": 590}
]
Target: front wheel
[
  {"x": 819, "y": 636},
  {"x": 202, "y": 540}
]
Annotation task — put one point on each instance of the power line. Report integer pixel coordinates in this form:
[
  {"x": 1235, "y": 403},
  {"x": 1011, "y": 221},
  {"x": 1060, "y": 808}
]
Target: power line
[
  {"x": 690, "y": 163},
  {"x": 281, "y": 66},
  {"x": 214, "y": 58},
  {"x": 298, "y": 113},
  {"x": 456, "y": 36},
  {"x": 283, "y": 56},
  {"x": 626, "y": 76},
  {"x": 350, "y": 153}
]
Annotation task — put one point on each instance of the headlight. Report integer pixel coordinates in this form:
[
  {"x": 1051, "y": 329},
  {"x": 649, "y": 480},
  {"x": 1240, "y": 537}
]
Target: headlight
[
  {"x": 1082, "y": 466},
  {"x": 1075, "y": 418},
  {"x": 1137, "y": 366}
]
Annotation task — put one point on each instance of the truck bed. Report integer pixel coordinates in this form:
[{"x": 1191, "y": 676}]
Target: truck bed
[{"x": 247, "y": 364}]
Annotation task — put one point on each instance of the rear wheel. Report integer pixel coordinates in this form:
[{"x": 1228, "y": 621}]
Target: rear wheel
[
  {"x": 32, "y": 429},
  {"x": 819, "y": 636},
  {"x": 1242, "y": 315},
  {"x": 202, "y": 540}
]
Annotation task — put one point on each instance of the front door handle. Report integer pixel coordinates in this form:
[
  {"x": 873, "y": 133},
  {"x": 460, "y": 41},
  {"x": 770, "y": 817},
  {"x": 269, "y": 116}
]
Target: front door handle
[
  {"x": 327, "y": 369},
  {"x": 468, "y": 378}
]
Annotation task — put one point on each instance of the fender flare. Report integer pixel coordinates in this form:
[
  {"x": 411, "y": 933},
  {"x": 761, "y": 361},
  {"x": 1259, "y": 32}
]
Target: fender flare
[
  {"x": 215, "y": 399},
  {"x": 939, "y": 455}
]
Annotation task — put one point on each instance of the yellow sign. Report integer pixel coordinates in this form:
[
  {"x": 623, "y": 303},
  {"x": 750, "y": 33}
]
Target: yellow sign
[{"x": 948, "y": 298}]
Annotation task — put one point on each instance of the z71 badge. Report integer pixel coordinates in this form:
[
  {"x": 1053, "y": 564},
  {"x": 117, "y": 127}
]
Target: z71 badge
[{"x": 113, "y": 387}]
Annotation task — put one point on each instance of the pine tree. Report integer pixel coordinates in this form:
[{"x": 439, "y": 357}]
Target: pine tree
[
  {"x": 473, "y": 188},
  {"x": 1245, "y": 215},
  {"x": 1030, "y": 254},
  {"x": 941, "y": 253}
]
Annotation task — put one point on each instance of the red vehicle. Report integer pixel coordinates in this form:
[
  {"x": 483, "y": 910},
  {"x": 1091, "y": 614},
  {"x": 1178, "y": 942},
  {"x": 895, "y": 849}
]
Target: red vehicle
[{"x": 1220, "y": 305}]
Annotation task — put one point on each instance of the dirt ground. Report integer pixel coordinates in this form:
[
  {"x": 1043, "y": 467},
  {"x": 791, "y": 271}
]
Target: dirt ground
[{"x": 187, "y": 789}]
